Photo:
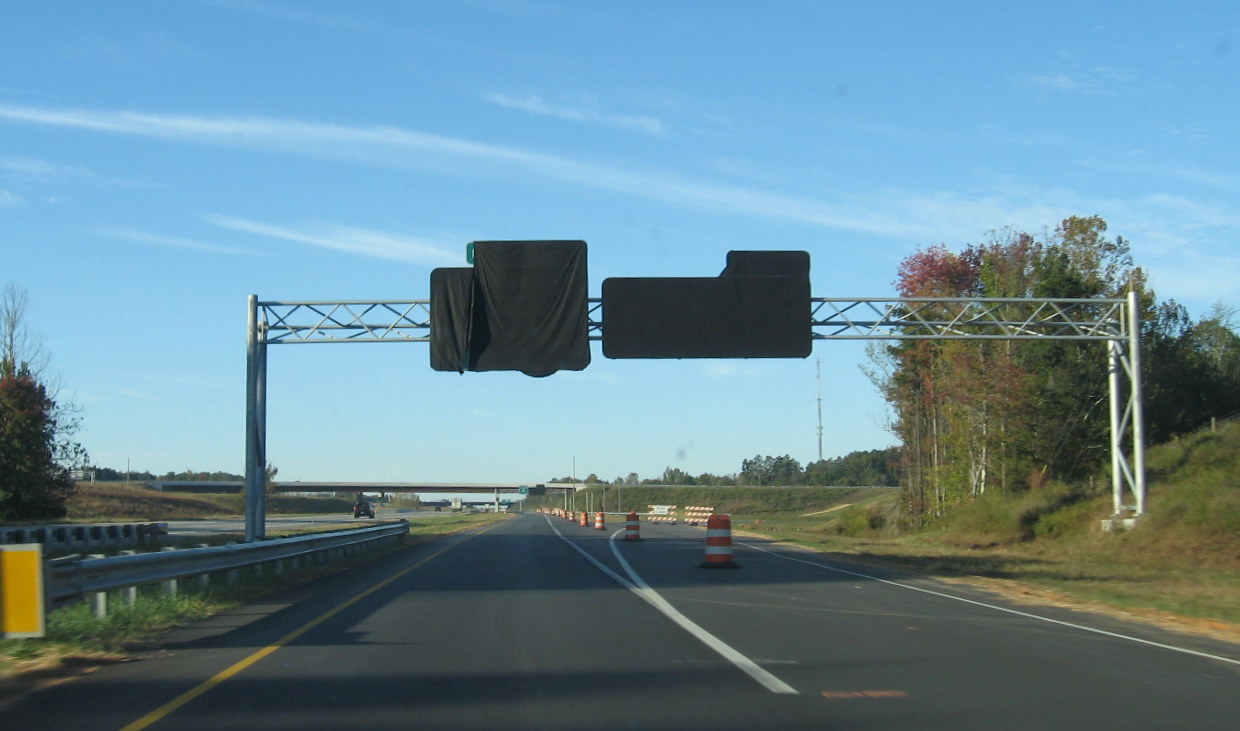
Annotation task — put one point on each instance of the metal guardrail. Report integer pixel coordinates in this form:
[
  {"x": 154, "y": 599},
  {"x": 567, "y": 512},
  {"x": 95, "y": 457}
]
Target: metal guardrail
[{"x": 70, "y": 579}]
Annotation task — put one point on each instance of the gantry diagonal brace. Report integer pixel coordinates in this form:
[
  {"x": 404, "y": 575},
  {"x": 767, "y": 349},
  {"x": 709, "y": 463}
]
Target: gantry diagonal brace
[{"x": 1114, "y": 322}]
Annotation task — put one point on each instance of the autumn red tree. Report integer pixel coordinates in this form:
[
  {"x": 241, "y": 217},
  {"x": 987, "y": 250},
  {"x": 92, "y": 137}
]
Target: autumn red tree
[{"x": 976, "y": 416}]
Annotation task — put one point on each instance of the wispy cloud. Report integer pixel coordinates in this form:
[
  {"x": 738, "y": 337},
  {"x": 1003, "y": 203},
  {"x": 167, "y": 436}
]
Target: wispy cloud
[
  {"x": 10, "y": 200},
  {"x": 1026, "y": 138},
  {"x": 1096, "y": 81},
  {"x": 922, "y": 216},
  {"x": 1058, "y": 82},
  {"x": 385, "y": 145},
  {"x": 168, "y": 242},
  {"x": 579, "y": 113},
  {"x": 42, "y": 169},
  {"x": 356, "y": 241},
  {"x": 1226, "y": 181},
  {"x": 724, "y": 369}
]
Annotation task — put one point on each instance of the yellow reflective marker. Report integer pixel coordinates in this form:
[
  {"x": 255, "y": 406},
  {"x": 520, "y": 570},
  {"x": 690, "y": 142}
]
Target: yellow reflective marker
[{"x": 21, "y": 590}]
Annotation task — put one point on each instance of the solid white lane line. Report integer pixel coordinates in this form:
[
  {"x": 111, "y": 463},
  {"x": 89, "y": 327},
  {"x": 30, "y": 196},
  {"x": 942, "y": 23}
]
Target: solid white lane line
[
  {"x": 639, "y": 587},
  {"x": 996, "y": 607}
]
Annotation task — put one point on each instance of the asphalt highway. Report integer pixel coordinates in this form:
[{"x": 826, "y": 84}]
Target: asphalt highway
[{"x": 538, "y": 623}]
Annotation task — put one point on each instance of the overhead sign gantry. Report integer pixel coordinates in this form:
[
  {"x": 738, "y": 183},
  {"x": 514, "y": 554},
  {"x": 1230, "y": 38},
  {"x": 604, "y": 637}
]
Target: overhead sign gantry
[{"x": 523, "y": 306}]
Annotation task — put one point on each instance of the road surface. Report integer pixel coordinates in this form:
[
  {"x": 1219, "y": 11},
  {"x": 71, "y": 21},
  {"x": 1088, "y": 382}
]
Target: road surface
[{"x": 538, "y": 623}]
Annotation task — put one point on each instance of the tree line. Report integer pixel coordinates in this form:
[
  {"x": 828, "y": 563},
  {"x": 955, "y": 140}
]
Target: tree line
[
  {"x": 870, "y": 468},
  {"x": 978, "y": 416},
  {"x": 109, "y": 474}
]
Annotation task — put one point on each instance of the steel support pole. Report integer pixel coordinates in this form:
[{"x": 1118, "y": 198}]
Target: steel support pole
[
  {"x": 260, "y": 412},
  {"x": 1115, "y": 366},
  {"x": 1136, "y": 411},
  {"x": 255, "y": 427}
]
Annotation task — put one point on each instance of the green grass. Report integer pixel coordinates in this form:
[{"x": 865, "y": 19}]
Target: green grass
[{"x": 117, "y": 502}]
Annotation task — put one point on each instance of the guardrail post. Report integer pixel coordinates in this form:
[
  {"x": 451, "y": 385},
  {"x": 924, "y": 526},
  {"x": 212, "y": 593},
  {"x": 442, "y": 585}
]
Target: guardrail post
[
  {"x": 204, "y": 579},
  {"x": 232, "y": 574},
  {"x": 169, "y": 587},
  {"x": 98, "y": 600},
  {"x": 130, "y": 592}
]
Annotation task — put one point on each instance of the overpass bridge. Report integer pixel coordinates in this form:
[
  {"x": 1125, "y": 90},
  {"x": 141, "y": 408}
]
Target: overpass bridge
[
  {"x": 416, "y": 487},
  {"x": 355, "y": 487}
]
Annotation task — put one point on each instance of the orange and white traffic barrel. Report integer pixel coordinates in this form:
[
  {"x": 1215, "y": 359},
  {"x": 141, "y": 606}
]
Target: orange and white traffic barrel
[
  {"x": 570, "y": 515},
  {"x": 599, "y": 521},
  {"x": 632, "y": 527},
  {"x": 585, "y": 519},
  {"x": 719, "y": 543}
]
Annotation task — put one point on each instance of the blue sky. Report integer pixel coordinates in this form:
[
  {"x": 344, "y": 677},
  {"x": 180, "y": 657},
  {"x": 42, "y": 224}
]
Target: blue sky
[{"x": 160, "y": 161}]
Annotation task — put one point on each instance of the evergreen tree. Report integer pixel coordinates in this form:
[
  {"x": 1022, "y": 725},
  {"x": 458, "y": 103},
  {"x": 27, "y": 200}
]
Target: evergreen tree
[
  {"x": 35, "y": 452},
  {"x": 33, "y": 484}
]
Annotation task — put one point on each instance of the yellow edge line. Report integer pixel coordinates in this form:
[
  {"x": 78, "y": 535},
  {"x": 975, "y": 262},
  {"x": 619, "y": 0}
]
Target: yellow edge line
[{"x": 206, "y": 685}]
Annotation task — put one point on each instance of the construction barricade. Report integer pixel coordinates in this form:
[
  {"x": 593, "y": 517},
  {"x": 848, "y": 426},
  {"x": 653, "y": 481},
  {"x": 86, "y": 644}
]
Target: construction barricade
[
  {"x": 696, "y": 515},
  {"x": 719, "y": 543},
  {"x": 661, "y": 514},
  {"x": 632, "y": 527}
]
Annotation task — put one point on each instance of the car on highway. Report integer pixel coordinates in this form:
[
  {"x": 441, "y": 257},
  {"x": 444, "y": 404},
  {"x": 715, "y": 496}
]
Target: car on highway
[{"x": 363, "y": 507}]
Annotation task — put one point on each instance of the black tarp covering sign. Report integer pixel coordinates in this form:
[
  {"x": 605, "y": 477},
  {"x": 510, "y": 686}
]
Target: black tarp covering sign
[
  {"x": 452, "y": 311},
  {"x": 759, "y": 307},
  {"x": 522, "y": 307}
]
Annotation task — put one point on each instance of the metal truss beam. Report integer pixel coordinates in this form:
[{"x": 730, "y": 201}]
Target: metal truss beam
[
  {"x": 1110, "y": 321},
  {"x": 358, "y": 321},
  {"x": 977, "y": 318}
]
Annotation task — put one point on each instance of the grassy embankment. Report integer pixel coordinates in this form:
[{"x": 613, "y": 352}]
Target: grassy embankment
[
  {"x": 75, "y": 639},
  {"x": 1180, "y": 565},
  {"x": 116, "y": 502}
]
